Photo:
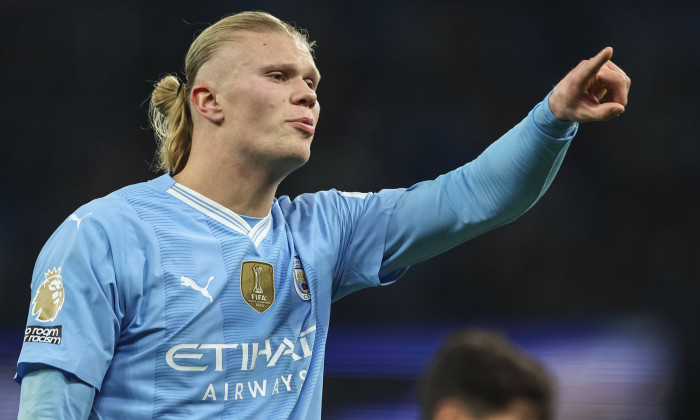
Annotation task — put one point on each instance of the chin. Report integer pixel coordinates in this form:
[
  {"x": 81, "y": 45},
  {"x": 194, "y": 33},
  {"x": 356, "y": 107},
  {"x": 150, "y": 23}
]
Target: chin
[
  {"x": 290, "y": 163},
  {"x": 302, "y": 154}
]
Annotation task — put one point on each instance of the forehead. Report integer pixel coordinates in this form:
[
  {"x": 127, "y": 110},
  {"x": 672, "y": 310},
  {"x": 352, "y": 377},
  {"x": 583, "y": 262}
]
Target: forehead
[
  {"x": 254, "y": 49},
  {"x": 517, "y": 410}
]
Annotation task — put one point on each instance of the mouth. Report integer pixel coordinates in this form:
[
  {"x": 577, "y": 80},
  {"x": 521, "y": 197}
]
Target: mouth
[{"x": 303, "y": 124}]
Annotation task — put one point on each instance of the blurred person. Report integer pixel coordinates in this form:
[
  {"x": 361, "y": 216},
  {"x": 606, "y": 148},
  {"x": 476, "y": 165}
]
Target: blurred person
[
  {"x": 199, "y": 294},
  {"x": 481, "y": 375}
]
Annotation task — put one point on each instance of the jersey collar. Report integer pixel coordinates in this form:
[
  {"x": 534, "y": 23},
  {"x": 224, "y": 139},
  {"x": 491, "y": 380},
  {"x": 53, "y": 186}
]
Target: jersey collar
[{"x": 222, "y": 214}]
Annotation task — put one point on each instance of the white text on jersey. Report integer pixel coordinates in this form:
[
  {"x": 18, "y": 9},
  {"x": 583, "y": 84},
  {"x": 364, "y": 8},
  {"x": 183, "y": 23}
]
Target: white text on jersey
[{"x": 250, "y": 352}]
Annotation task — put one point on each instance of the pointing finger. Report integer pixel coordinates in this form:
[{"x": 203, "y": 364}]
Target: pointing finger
[{"x": 593, "y": 66}]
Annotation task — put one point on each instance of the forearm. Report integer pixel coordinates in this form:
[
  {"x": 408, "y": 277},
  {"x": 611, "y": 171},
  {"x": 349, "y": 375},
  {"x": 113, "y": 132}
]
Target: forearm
[
  {"x": 50, "y": 394},
  {"x": 494, "y": 189}
]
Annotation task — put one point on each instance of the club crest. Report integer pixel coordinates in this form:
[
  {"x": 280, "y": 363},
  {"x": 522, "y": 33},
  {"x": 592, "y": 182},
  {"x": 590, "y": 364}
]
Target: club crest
[
  {"x": 258, "y": 285},
  {"x": 49, "y": 297},
  {"x": 300, "y": 283}
]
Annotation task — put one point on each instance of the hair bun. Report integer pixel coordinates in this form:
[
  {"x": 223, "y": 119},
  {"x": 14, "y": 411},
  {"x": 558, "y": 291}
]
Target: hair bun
[{"x": 165, "y": 94}]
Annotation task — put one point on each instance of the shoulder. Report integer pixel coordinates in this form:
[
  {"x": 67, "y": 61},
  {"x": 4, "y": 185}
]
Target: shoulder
[
  {"x": 328, "y": 197},
  {"x": 114, "y": 212},
  {"x": 319, "y": 202},
  {"x": 334, "y": 203}
]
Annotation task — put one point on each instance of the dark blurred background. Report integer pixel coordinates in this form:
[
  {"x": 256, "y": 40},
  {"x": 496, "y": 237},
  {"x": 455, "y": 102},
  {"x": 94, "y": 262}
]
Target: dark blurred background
[{"x": 411, "y": 89}]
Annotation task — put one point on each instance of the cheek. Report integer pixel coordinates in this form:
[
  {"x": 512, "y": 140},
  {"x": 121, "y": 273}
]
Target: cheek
[
  {"x": 251, "y": 98},
  {"x": 253, "y": 104},
  {"x": 250, "y": 110}
]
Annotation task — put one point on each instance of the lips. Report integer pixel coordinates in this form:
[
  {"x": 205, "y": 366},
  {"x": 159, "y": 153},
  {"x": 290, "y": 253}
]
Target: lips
[{"x": 304, "y": 124}]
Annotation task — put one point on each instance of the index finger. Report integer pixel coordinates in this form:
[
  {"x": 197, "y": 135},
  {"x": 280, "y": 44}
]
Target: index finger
[{"x": 594, "y": 65}]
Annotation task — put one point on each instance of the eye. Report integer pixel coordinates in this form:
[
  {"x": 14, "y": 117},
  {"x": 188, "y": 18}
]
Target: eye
[
  {"x": 279, "y": 76},
  {"x": 311, "y": 84}
]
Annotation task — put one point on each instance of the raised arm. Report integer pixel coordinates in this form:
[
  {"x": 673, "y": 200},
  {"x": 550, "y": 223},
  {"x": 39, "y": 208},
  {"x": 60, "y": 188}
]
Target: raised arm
[{"x": 511, "y": 174}]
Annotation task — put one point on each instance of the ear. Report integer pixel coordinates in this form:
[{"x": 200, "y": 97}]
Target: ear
[{"x": 203, "y": 98}]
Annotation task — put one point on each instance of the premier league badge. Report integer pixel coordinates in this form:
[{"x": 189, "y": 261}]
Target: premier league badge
[
  {"x": 300, "y": 283},
  {"x": 48, "y": 300}
]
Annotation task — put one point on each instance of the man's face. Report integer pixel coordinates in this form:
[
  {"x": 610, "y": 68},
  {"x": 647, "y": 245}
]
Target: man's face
[
  {"x": 266, "y": 86},
  {"x": 517, "y": 410},
  {"x": 454, "y": 409}
]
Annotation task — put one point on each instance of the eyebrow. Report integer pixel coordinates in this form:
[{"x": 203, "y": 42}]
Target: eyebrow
[{"x": 293, "y": 68}]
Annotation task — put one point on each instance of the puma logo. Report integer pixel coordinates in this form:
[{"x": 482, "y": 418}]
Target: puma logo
[
  {"x": 77, "y": 219},
  {"x": 186, "y": 281}
]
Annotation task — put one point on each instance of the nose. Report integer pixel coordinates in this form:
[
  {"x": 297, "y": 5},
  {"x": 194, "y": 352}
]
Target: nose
[{"x": 304, "y": 95}]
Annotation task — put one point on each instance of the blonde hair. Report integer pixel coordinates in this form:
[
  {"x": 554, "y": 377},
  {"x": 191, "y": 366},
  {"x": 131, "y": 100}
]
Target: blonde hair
[{"x": 169, "y": 110}]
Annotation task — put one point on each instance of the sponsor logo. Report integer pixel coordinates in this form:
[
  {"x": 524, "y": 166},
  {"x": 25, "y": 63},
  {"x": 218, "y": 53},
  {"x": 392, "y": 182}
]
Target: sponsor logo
[
  {"x": 186, "y": 281},
  {"x": 188, "y": 357},
  {"x": 193, "y": 358},
  {"x": 77, "y": 219},
  {"x": 258, "y": 285},
  {"x": 300, "y": 283},
  {"x": 253, "y": 389},
  {"x": 49, "y": 297},
  {"x": 38, "y": 334}
]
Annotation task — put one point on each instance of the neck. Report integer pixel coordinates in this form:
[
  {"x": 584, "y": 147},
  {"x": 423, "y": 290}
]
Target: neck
[{"x": 242, "y": 190}]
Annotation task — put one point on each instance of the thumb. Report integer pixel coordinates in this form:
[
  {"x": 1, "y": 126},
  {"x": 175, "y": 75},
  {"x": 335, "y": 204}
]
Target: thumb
[{"x": 608, "y": 111}]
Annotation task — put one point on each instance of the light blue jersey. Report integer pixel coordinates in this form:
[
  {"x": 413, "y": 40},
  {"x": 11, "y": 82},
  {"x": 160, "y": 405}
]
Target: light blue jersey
[{"x": 172, "y": 306}]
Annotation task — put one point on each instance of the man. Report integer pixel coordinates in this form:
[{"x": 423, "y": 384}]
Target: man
[
  {"x": 201, "y": 295},
  {"x": 480, "y": 375}
]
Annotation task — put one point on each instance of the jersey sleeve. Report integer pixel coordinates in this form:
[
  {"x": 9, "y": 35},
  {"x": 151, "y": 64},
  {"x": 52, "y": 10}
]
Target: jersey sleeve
[
  {"x": 74, "y": 316},
  {"x": 494, "y": 189},
  {"x": 367, "y": 217},
  {"x": 347, "y": 233}
]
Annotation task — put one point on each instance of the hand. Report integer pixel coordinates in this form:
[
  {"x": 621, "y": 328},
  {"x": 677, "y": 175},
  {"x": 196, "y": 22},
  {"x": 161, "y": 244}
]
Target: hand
[{"x": 595, "y": 90}]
